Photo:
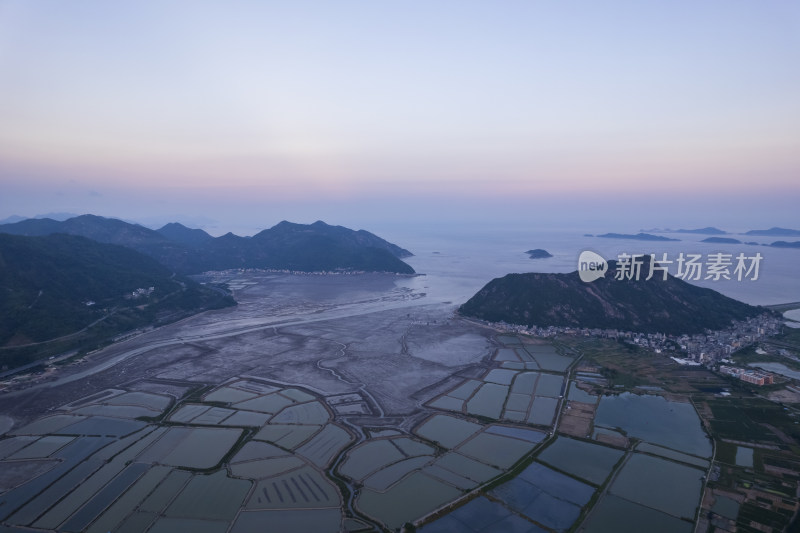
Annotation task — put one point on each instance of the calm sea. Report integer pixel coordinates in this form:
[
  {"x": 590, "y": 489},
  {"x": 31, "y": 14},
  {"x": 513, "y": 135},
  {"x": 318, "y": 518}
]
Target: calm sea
[{"x": 458, "y": 262}]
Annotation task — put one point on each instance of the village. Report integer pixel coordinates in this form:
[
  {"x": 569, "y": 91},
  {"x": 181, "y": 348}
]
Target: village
[{"x": 707, "y": 349}]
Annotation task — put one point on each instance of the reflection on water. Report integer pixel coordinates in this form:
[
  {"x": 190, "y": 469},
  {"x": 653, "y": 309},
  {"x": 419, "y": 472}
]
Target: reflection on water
[
  {"x": 660, "y": 484},
  {"x": 778, "y": 368},
  {"x": 656, "y": 420}
]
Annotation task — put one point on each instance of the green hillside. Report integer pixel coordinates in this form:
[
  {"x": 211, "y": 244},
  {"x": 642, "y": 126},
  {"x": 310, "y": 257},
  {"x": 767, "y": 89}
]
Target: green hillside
[
  {"x": 60, "y": 285},
  {"x": 286, "y": 246},
  {"x": 655, "y": 306}
]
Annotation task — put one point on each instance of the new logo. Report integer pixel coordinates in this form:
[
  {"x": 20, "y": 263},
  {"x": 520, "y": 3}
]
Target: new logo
[{"x": 591, "y": 266}]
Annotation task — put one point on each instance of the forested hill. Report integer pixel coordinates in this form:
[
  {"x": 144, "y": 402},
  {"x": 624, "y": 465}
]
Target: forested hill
[
  {"x": 57, "y": 285},
  {"x": 655, "y": 306},
  {"x": 286, "y": 246}
]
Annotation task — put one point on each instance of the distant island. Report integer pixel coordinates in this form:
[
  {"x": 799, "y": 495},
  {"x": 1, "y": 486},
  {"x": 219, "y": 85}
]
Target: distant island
[
  {"x": 722, "y": 240},
  {"x": 785, "y": 244},
  {"x": 710, "y": 230},
  {"x": 703, "y": 231},
  {"x": 286, "y": 246},
  {"x": 669, "y": 306},
  {"x": 637, "y": 237},
  {"x": 774, "y": 232},
  {"x": 538, "y": 253}
]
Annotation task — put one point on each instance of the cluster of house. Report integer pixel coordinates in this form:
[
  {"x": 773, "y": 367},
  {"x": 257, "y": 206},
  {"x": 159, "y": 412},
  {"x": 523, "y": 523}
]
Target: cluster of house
[
  {"x": 707, "y": 349},
  {"x": 711, "y": 347},
  {"x": 236, "y": 271},
  {"x": 141, "y": 293}
]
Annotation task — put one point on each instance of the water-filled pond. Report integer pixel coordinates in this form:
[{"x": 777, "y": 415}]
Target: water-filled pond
[
  {"x": 325, "y": 445},
  {"x": 481, "y": 515},
  {"x": 660, "y": 484},
  {"x": 304, "y": 488},
  {"x": 286, "y": 435},
  {"x": 546, "y": 496},
  {"x": 383, "y": 479},
  {"x": 579, "y": 395},
  {"x": 469, "y": 468},
  {"x": 549, "y": 385},
  {"x": 619, "y": 515},
  {"x": 488, "y": 400},
  {"x": 543, "y": 410},
  {"x": 585, "y": 460},
  {"x": 655, "y": 419},
  {"x": 317, "y": 520},
  {"x": 369, "y": 457},
  {"x": 447, "y": 430},
  {"x": 744, "y": 456},
  {"x": 496, "y": 450},
  {"x": 413, "y": 497}
]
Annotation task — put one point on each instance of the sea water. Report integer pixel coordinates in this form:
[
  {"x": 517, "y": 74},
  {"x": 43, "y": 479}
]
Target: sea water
[{"x": 456, "y": 263}]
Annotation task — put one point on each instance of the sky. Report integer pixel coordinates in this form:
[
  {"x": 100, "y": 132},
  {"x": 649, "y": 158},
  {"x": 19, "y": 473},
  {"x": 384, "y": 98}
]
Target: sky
[{"x": 235, "y": 115}]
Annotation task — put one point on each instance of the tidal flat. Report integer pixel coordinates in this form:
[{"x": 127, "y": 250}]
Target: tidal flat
[
  {"x": 319, "y": 403},
  {"x": 175, "y": 410}
]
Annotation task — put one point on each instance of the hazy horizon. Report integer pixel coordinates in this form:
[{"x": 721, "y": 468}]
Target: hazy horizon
[
  {"x": 616, "y": 116},
  {"x": 575, "y": 222}
]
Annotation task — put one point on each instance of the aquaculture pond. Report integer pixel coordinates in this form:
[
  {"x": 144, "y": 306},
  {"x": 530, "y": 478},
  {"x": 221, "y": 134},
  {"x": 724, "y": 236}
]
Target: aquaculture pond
[
  {"x": 482, "y": 515},
  {"x": 94, "y": 467},
  {"x": 578, "y": 395},
  {"x": 592, "y": 462},
  {"x": 414, "y": 496},
  {"x": 660, "y": 484},
  {"x": 549, "y": 498},
  {"x": 503, "y": 394},
  {"x": 656, "y": 420},
  {"x": 744, "y": 456},
  {"x": 619, "y": 515}
]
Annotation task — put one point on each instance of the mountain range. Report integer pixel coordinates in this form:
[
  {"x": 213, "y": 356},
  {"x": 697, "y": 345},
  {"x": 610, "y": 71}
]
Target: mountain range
[
  {"x": 78, "y": 283},
  {"x": 286, "y": 246}
]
